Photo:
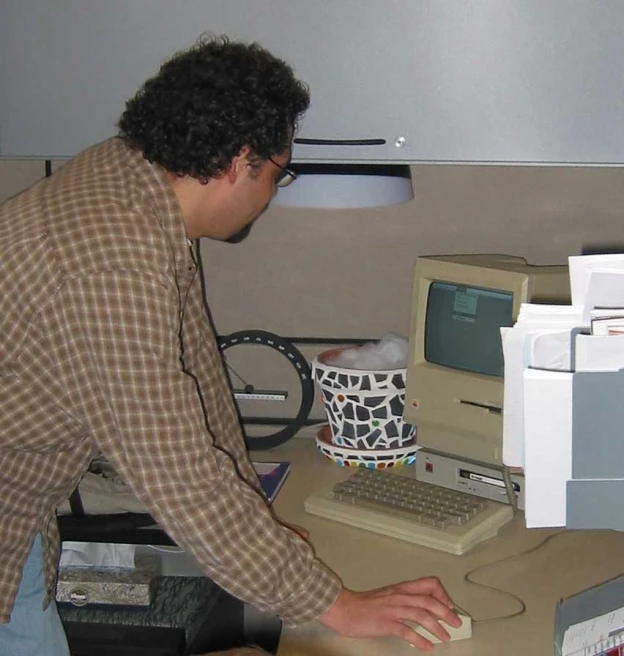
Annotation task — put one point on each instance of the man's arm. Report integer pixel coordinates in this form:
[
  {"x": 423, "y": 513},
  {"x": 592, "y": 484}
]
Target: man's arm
[
  {"x": 128, "y": 382},
  {"x": 372, "y": 613},
  {"x": 146, "y": 415}
]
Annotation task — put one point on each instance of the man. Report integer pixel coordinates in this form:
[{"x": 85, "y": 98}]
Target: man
[{"x": 105, "y": 345}]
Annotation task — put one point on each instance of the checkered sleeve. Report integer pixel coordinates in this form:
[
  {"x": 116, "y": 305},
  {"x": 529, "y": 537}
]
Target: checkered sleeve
[{"x": 127, "y": 378}]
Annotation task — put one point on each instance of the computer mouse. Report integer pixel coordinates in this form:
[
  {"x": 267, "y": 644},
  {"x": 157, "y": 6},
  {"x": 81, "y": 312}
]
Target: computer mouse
[{"x": 460, "y": 633}]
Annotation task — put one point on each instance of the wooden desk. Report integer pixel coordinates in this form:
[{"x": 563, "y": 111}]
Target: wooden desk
[{"x": 569, "y": 563}]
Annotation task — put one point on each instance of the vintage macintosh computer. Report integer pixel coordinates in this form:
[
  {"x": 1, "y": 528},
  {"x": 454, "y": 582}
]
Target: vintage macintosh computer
[
  {"x": 454, "y": 390},
  {"x": 454, "y": 396}
]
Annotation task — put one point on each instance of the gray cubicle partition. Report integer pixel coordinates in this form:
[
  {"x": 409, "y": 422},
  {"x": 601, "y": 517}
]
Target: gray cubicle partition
[{"x": 596, "y": 490}]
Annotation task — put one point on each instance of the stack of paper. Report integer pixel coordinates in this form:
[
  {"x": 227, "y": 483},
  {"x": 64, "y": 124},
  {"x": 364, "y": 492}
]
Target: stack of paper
[
  {"x": 543, "y": 351},
  {"x": 540, "y": 339}
]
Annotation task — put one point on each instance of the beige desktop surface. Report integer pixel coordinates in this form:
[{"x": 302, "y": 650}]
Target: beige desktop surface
[{"x": 567, "y": 564}]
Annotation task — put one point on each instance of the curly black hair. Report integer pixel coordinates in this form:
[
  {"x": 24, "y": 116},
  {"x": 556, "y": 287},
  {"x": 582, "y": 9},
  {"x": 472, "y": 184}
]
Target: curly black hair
[{"x": 208, "y": 102}]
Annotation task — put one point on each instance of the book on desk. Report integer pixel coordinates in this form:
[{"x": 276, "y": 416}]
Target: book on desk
[{"x": 272, "y": 476}]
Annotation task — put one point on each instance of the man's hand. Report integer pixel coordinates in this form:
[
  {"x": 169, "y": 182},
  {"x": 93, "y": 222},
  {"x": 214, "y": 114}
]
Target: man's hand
[
  {"x": 382, "y": 612},
  {"x": 299, "y": 530}
]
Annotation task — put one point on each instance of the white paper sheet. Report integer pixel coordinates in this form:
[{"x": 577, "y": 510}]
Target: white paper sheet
[
  {"x": 517, "y": 355},
  {"x": 599, "y": 352},
  {"x": 513, "y": 397},
  {"x": 547, "y": 446},
  {"x": 551, "y": 350},
  {"x": 536, "y": 312},
  {"x": 605, "y": 289},
  {"x": 581, "y": 267}
]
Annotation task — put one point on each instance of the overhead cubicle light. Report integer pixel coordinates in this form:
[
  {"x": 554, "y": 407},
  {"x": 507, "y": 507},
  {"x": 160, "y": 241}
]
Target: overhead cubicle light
[{"x": 347, "y": 186}]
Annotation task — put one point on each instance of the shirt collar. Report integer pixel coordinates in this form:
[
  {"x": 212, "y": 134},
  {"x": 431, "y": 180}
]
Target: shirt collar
[{"x": 158, "y": 193}]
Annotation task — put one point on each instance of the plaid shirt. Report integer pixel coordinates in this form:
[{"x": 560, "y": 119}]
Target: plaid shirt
[{"x": 105, "y": 345}]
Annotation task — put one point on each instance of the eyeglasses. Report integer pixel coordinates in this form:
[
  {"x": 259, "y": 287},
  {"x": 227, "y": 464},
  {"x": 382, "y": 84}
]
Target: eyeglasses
[{"x": 285, "y": 177}]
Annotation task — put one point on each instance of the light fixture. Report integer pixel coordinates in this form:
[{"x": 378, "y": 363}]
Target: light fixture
[{"x": 347, "y": 186}]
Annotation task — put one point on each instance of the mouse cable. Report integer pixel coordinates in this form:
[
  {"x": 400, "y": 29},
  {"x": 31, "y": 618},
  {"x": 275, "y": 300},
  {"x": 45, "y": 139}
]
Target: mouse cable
[{"x": 522, "y": 605}]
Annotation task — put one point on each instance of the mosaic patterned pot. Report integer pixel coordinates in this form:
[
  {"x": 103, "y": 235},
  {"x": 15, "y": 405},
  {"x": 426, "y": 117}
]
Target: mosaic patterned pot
[
  {"x": 354, "y": 379},
  {"x": 364, "y": 408},
  {"x": 367, "y": 420}
]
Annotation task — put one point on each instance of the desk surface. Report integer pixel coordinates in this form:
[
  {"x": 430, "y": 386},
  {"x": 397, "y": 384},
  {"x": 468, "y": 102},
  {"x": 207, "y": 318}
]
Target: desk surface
[{"x": 568, "y": 563}]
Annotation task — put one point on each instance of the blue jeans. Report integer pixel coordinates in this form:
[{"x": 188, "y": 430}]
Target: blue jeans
[{"x": 32, "y": 630}]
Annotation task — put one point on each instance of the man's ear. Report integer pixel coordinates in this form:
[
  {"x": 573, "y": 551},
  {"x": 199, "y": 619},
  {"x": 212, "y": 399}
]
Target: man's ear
[{"x": 238, "y": 164}]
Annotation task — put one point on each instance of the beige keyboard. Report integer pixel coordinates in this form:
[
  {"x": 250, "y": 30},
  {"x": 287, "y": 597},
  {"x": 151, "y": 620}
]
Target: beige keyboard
[{"x": 405, "y": 508}]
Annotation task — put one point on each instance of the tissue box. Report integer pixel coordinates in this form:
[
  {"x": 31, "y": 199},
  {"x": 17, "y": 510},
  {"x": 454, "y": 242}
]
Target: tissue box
[{"x": 109, "y": 585}]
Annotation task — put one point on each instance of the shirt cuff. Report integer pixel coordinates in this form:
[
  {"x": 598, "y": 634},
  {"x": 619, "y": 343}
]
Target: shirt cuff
[{"x": 317, "y": 592}]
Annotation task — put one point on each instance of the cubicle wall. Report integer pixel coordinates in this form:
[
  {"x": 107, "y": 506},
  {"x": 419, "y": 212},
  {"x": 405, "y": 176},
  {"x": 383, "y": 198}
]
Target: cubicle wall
[{"x": 348, "y": 273}]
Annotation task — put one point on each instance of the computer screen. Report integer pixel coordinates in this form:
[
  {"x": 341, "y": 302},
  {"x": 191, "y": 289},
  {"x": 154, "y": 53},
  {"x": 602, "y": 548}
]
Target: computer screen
[
  {"x": 454, "y": 390},
  {"x": 462, "y": 325}
]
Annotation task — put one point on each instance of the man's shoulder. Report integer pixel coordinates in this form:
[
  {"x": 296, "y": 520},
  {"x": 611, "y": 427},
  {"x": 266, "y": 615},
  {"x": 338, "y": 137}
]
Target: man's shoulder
[{"x": 102, "y": 213}]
